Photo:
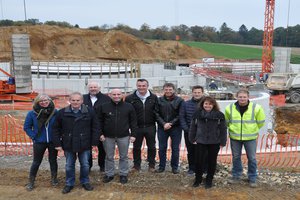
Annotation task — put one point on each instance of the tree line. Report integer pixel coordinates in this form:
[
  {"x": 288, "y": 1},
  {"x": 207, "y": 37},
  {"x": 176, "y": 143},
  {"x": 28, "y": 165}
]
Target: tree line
[{"x": 284, "y": 37}]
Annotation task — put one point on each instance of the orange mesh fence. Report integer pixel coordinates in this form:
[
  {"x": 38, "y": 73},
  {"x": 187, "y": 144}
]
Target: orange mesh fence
[
  {"x": 16, "y": 106},
  {"x": 60, "y": 101},
  {"x": 273, "y": 150}
]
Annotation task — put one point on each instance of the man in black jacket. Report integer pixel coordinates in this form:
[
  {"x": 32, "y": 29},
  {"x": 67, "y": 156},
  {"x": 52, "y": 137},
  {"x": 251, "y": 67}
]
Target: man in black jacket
[
  {"x": 93, "y": 99},
  {"x": 145, "y": 105},
  {"x": 169, "y": 126},
  {"x": 117, "y": 126},
  {"x": 76, "y": 131}
]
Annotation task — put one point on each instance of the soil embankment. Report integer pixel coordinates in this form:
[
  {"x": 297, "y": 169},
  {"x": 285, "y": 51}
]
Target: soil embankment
[{"x": 57, "y": 43}]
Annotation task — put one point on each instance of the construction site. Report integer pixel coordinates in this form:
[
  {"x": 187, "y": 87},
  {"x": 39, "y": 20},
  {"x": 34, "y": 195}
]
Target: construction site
[{"x": 58, "y": 61}]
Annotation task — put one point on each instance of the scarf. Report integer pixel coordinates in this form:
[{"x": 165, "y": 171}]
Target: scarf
[{"x": 43, "y": 115}]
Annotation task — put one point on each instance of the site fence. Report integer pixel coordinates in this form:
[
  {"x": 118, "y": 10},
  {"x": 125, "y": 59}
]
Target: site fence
[{"x": 273, "y": 150}]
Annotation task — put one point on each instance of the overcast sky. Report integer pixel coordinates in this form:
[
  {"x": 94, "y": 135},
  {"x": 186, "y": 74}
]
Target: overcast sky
[{"x": 155, "y": 13}]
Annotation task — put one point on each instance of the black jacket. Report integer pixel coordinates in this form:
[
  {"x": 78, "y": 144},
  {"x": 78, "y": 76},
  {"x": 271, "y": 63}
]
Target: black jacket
[
  {"x": 76, "y": 132},
  {"x": 117, "y": 119},
  {"x": 168, "y": 111},
  {"x": 208, "y": 128},
  {"x": 101, "y": 99},
  {"x": 145, "y": 112}
]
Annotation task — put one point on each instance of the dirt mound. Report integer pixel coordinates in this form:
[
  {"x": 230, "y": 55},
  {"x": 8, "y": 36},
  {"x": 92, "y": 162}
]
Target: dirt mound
[
  {"x": 52, "y": 42},
  {"x": 287, "y": 119}
]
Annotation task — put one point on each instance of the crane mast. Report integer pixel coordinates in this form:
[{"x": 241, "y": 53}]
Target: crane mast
[{"x": 267, "y": 65}]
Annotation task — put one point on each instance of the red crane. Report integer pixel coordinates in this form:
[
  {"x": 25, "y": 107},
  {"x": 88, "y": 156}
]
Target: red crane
[{"x": 267, "y": 65}]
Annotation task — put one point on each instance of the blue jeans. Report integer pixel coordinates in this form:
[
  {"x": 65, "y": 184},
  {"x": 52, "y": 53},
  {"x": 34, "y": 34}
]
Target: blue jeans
[
  {"x": 237, "y": 168},
  {"x": 70, "y": 167},
  {"x": 175, "y": 133}
]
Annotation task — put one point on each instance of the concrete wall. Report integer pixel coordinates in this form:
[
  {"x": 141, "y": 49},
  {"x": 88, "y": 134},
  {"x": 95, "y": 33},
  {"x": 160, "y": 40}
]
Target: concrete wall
[
  {"x": 183, "y": 82},
  {"x": 22, "y": 63},
  {"x": 154, "y": 73},
  {"x": 157, "y": 70},
  {"x": 282, "y": 59}
]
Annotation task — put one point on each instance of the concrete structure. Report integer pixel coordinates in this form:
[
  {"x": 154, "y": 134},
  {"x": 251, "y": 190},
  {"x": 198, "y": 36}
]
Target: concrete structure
[
  {"x": 21, "y": 63},
  {"x": 82, "y": 70},
  {"x": 155, "y": 73},
  {"x": 282, "y": 60}
]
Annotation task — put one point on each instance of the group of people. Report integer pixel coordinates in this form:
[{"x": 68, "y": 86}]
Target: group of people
[{"x": 95, "y": 119}]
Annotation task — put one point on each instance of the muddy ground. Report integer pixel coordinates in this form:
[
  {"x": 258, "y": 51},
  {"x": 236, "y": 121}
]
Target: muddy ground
[{"x": 143, "y": 185}]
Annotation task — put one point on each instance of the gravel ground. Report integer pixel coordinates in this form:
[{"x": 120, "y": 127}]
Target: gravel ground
[{"x": 278, "y": 184}]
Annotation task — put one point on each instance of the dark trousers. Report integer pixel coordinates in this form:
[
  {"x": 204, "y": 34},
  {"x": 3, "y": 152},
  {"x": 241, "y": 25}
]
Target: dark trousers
[
  {"x": 101, "y": 156},
  {"x": 212, "y": 151},
  {"x": 149, "y": 134},
  {"x": 191, "y": 148},
  {"x": 38, "y": 154}
]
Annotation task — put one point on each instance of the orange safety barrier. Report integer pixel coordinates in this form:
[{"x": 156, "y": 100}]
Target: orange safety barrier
[
  {"x": 60, "y": 101},
  {"x": 273, "y": 150}
]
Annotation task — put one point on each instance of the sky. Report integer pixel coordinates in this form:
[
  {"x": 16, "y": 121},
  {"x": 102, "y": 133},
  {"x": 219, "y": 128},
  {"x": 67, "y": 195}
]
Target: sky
[{"x": 155, "y": 13}]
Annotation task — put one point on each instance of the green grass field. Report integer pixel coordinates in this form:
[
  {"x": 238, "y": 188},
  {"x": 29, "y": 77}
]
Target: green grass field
[{"x": 228, "y": 51}]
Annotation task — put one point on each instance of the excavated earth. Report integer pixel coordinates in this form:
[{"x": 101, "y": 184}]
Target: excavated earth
[
  {"x": 57, "y": 43},
  {"x": 287, "y": 123}
]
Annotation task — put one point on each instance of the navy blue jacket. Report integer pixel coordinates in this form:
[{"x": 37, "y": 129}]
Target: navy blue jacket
[
  {"x": 187, "y": 110},
  {"x": 76, "y": 132},
  {"x": 31, "y": 128}
]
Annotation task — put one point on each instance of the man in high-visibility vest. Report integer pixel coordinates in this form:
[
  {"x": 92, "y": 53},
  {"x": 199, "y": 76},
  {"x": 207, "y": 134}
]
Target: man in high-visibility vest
[{"x": 244, "y": 119}]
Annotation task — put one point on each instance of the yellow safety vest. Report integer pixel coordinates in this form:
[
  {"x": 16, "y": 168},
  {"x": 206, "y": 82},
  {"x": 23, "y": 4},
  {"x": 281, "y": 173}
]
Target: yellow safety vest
[{"x": 246, "y": 127}]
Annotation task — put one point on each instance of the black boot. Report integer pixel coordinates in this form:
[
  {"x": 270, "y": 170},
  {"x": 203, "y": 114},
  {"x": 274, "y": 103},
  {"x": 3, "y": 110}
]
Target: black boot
[
  {"x": 208, "y": 183},
  {"x": 197, "y": 181},
  {"x": 30, "y": 185},
  {"x": 54, "y": 180}
]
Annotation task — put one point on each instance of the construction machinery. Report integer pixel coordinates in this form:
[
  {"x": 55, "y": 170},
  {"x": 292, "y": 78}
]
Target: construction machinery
[
  {"x": 287, "y": 84},
  {"x": 8, "y": 90},
  {"x": 7, "y": 86}
]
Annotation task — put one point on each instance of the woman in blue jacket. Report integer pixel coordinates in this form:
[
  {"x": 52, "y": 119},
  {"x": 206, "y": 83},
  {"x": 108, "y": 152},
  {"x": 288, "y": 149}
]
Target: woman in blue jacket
[
  {"x": 38, "y": 126},
  {"x": 208, "y": 132}
]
